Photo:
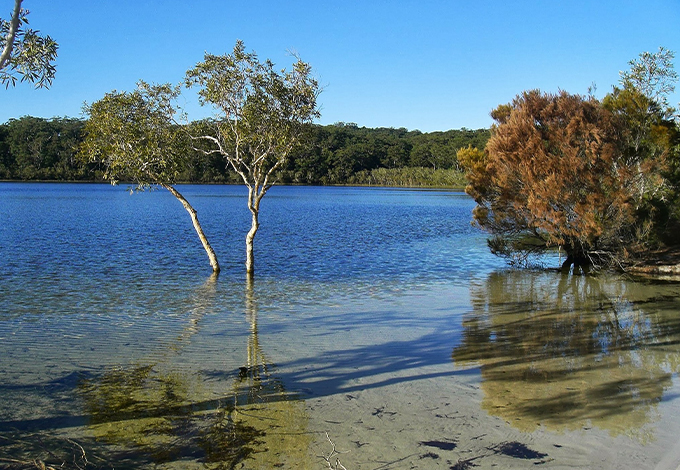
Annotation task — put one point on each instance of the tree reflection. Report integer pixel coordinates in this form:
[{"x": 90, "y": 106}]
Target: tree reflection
[
  {"x": 150, "y": 414},
  {"x": 567, "y": 352}
]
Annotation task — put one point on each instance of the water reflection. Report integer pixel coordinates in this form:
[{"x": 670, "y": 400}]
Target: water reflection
[
  {"x": 152, "y": 414},
  {"x": 567, "y": 352}
]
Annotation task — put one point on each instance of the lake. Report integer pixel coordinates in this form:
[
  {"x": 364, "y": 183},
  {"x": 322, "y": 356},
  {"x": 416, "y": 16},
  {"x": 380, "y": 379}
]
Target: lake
[{"x": 378, "y": 333}]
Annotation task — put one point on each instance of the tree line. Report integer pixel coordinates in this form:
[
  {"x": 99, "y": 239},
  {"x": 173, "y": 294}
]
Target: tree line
[{"x": 39, "y": 149}]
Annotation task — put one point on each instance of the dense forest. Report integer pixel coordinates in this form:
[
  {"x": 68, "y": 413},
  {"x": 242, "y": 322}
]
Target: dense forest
[{"x": 38, "y": 149}]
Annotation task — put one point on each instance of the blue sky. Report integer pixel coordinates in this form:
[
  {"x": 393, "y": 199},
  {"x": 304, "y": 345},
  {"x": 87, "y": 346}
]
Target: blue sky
[{"x": 423, "y": 64}]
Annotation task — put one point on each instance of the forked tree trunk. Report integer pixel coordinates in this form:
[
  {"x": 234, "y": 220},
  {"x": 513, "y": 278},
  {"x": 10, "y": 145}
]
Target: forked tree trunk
[
  {"x": 197, "y": 225},
  {"x": 581, "y": 264}
]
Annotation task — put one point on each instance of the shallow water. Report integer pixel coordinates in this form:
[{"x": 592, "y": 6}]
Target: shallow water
[{"x": 377, "y": 316}]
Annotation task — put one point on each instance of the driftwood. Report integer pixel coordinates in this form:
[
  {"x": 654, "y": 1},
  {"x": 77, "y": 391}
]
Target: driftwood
[{"x": 664, "y": 262}]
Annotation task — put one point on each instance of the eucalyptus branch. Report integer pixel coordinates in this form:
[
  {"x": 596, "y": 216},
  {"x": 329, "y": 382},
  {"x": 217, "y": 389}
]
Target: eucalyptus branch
[
  {"x": 11, "y": 34},
  {"x": 219, "y": 148},
  {"x": 273, "y": 169}
]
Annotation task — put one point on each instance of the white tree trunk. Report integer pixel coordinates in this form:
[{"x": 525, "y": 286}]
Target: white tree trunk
[
  {"x": 197, "y": 226},
  {"x": 11, "y": 34},
  {"x": 250, "y": 257},
  {"x": 255, "y": 194}
]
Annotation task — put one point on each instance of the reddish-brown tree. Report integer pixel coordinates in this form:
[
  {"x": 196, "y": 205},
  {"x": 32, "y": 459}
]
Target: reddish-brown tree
[
  {"x": 594, "y": 178},
  {"x": 554, "y": 177}
]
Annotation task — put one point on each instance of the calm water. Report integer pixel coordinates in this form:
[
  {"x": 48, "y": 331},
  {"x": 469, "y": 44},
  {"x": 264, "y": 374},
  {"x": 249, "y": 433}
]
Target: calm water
[{"x": 377, "y": 316}]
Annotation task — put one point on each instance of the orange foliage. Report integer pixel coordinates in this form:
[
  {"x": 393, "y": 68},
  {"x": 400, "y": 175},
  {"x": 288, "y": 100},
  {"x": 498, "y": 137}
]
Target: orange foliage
[{"x": 554, "y": 171}]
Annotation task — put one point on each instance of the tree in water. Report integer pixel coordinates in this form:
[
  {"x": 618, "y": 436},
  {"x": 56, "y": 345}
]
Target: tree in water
[
  {"x": 551, "y": 178},
  {"x": 134, "y": 136},
  {"x": 570, "y": 172},
  {"x": 262, "y": 117},
  {"x": 24, "y": 52}
]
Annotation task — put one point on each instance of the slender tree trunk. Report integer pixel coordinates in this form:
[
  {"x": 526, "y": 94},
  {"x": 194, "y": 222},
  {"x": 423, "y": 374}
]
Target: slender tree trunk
[
  {"x": 250, "y": 257},
  {"x": 197, "y": 225},
  {"x": 11, "y": 35},
  {"x": 255, "y": 359},
  {"x": 255, "y": 194}
]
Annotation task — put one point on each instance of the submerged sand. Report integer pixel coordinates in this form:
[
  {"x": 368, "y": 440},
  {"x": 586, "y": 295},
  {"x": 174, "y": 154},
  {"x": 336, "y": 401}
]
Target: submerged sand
[{"x": 440, "y": 423}]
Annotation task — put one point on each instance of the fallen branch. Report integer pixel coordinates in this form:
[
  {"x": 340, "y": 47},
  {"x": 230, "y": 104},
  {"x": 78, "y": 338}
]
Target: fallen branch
[{"x": 334, "y": 452}]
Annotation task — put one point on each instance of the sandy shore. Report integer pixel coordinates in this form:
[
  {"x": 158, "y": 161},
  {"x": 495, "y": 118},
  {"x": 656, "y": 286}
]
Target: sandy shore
[{"x": 440, "y": 424}]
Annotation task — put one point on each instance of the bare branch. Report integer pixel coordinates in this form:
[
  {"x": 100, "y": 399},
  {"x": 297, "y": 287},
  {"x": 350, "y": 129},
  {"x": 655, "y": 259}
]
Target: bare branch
[{"x": 336, "y": 465}]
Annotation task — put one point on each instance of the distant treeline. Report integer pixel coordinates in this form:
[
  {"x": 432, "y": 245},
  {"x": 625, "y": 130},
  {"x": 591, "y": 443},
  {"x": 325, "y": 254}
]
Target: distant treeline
[{"x": 46, "y": 149}]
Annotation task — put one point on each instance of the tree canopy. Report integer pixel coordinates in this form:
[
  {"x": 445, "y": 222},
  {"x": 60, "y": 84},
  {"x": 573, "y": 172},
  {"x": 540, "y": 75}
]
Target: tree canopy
[
  {"x": 42, "y": 149},
  {"x": 263, "y": 115},
  {"x": 132, "y": 135},
  {"x": 591, "y": 177},
  {"x": 552, "y": 176},
  {"x": 344, "y": 153},
  {"x": 333, "y": 155}
]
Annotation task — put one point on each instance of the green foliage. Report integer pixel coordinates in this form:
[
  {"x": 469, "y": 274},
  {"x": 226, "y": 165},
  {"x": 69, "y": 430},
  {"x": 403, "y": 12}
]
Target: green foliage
[
  {"x": 25, "y": 55},
  {"x": 329, "y": 155},
  {"x": 473, "y": 161},
  {"x": 42, "y": 149},
  {"x": 6, "y": 160},
  {"x": 347, "y": 154},
  {"x": 263, "y": 117},
  {"x": 649, "y": 139},
  {"x": 411, "y": 177},
  {"x": 134, "y": 137},
  {"x": 263, "y": 112},
  {"x": 653, "y": 75}
]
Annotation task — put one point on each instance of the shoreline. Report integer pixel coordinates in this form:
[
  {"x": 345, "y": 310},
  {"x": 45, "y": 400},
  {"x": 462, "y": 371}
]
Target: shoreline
[
  {"x": 182, "y": 183},
  {"x": 661, "y": 262}
]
